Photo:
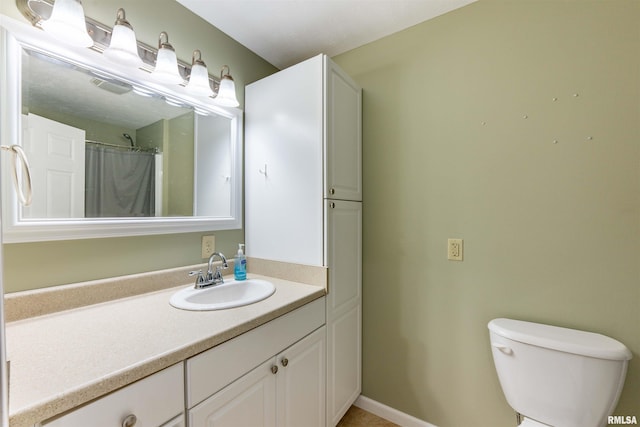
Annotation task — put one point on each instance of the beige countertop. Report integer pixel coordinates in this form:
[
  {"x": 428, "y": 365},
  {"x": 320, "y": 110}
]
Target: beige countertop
[{"x": 61, "y": 360}]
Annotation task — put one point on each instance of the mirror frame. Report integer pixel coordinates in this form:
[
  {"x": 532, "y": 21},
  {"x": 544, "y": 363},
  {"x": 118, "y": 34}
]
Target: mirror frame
[{"x": 13, "y": 38}]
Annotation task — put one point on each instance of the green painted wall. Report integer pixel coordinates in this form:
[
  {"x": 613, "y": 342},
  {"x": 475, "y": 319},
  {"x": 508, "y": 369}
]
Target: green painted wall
[
  {"x": 551, "y": 231},
  {"x": 180, "y": 152},
  {"x": 36, "y": 265}
]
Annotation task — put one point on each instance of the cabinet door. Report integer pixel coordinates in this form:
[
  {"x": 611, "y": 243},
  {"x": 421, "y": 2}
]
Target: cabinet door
[
  {"x": 301, "y": 382},
  {"x": 249, "y": 401},
  {"x": 344, "y": 302},
  {"x": 283, "y": 165},
  {"x": 343, "y": 148}
]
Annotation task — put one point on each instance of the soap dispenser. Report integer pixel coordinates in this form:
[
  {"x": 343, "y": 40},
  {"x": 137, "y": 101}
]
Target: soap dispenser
[{"x": 240, "y": 264}]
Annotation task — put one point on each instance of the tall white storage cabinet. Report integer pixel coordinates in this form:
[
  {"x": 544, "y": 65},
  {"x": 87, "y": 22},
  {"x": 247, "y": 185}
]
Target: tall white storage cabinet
[{"x": 303, "y": 198}]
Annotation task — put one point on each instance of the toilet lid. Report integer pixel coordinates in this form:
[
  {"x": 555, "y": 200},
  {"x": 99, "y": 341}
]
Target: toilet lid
[{"x": 531, "y": 423}]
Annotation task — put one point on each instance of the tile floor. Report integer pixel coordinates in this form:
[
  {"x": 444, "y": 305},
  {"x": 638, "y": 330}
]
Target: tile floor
[{"x": 356, "y": 417}]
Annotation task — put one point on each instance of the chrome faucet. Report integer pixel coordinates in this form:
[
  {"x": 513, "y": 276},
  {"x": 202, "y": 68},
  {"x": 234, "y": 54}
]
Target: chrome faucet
[
  {"x": 212, "y": 277},
  {"x": 216, "y": 277}
]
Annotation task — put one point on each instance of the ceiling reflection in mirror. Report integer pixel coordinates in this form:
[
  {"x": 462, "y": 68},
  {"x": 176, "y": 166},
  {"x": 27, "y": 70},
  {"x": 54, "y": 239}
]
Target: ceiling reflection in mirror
[{"x": 103, "y": 148}]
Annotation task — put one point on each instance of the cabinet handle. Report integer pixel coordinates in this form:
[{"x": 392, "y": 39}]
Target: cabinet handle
[
  {"x": 274, "y": 369},
  {"x": 284, "y": 361},
  {"x": 129, "y": 421}
]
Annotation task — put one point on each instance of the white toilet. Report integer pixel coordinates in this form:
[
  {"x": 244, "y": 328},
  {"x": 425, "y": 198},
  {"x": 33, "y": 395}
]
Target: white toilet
[{"x": 556, "y": 376}]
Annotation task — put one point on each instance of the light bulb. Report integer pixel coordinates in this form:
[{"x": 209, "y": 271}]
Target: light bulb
[
  {"x": 166, "y": 70},
  {"x": 123, "y": 48},
  {"x": 227, "y": 93},
  {"x": 199, "y": 78},
  {"x": 227, "y": 90},
  {"x": 67, "y": 23}
]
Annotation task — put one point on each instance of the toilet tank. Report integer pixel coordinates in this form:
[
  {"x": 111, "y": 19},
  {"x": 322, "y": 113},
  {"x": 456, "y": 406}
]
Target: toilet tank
[{"x": 558, "y": 376}]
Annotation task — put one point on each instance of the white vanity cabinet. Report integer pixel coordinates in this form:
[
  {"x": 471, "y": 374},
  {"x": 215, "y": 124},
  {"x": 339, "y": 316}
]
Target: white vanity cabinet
[
  {"x": 155, "y": 401},
  {"x": 303, "y": 197},
  {"x": 285, "y": 391},
  {"x": 271, "y": 376}
]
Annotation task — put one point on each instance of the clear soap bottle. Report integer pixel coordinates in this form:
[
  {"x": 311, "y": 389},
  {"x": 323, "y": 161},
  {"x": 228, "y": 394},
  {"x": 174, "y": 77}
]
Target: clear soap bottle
[{"x": 240, "y": 264}]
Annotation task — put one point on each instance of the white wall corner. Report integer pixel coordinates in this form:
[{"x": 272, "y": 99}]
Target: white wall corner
[{"x": 389, "y": 413}]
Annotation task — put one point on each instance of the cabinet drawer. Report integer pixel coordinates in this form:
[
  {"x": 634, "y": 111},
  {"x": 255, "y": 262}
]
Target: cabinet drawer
[
  {"x": 154, "y": 401},
  {"x": 212, "y": 370}
]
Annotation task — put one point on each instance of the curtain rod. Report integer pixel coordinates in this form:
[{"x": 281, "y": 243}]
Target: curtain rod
[{"x": 125, "y": 147}]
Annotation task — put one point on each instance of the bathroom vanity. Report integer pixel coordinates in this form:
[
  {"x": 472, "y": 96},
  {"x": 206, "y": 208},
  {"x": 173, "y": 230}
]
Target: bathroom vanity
[
  {"x": 126, "y": 358},
  {"x": 137, "y": 357}
]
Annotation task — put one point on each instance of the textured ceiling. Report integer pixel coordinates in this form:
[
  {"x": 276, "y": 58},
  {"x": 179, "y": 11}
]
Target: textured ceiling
[{"x": 285, "y": 32}]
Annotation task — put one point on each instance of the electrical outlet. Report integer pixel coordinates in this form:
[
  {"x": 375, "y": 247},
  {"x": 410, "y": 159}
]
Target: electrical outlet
[
  {"x": 454, "y": 249},
  {"x": 208, "y": 245}
]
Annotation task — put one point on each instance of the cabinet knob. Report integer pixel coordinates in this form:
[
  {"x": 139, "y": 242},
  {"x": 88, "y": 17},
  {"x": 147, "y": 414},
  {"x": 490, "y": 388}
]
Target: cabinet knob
[
  {"x": 129, "y": 421},
  {"x": 332, "y": 190},
  {"x": 332, "y": 205},
  {"x": 274, "y": 369},
  {"x": 284, "y": 361}
]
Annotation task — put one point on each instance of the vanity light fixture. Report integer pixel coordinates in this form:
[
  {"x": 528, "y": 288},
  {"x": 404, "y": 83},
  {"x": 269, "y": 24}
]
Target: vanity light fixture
[
  {"x": 67, "y": 23},
  {"x": 166, "y": 70},
  {"x": 199, "y": 78},
  {"x": 227, "y": 90},
  {"x": 124, "y": 46},
  {"x": 103, "y": 39}
]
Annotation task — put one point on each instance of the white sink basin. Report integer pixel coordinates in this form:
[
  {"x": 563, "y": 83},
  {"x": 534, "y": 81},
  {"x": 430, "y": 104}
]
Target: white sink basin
[{"x": 230, "y": 294}]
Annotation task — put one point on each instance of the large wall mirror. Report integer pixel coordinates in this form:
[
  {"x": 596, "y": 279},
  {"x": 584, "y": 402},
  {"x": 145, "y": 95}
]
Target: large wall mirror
[{"x": 111, "y": 153}]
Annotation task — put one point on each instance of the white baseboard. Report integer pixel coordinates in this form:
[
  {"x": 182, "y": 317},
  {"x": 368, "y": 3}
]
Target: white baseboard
[{"x": 388, "y": 413}]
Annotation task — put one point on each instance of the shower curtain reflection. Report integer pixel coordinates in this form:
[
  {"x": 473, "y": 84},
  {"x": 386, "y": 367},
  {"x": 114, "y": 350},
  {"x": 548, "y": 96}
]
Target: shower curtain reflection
[{"x": 119, "y": 183}]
